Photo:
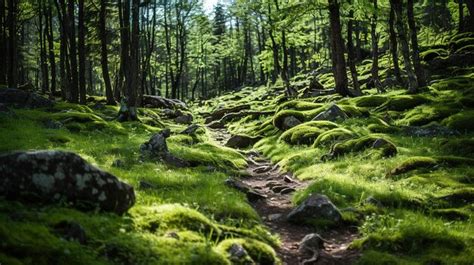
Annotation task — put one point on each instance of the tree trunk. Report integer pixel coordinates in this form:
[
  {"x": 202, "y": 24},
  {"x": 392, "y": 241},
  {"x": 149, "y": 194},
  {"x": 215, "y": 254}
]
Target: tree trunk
[
  {"x": 12, "y": 44},
  {"x": 397, "y": 6},
  {"x": 52, "y": 62},
  {"x": 394, "y": 47},
  {"x": 461, "y": 15},
  {"x": 375, "y": 51},
  {"x": 420, "y": 75},
  {"x": 103, "y": 45},
  {"x": 43, "y": 29},
  {"x": 337, "y": 53},
  {"x": 73, "y": 53},
  {"x": 351, "y": 53},
  {"x": 82, "y": 54}
]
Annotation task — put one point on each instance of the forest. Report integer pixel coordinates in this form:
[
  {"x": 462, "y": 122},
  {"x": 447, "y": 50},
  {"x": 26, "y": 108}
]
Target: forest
[{"x": 237, "y": 132}]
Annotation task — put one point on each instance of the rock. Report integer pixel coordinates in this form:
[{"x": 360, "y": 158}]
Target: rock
[
  {"x": 314, "y": 89},
  {"x": 156, "y": 146},
  {"x": 184, "y": 119},
  {"x": 172, "y": 235},
  {"x": 171, "y": 114},
  {"x": 288, "y": 179},
  {"x": 118, "y": 163},
  {"x": 221, "y": 111},
  {"x": 290, "y": 122},
  {"x": 170, "y": 159},
  {"x": 287, "y": 190},
  {"x": 23, "y": 99},
  {"x": 191, "y": 129},
  {"x": 71, "y": 231},
  {"x": 239, "y": 255},
  {"x": 252, "y": 195},
  {"x": 315, "y": 207},
  {"x": 52, "y": 124},
  {"x": 310, "y": 244},
  {"x": 144, "y": 185},
  {"x": 274, "y": 217},
  {"x": 272, "y": 184},
  {"x": 216, "y": 125},
  {"x": 429, "y": 131},
  {"x": 279, "y": 188},
  {"x": 98, "y": 106},
  {"x": 163, "y": 103},
  {"x": 387, "y": 147},
  {"x": 58, "y": 176},
  {"x": 241, "y": 141},
  {"x": 334, "y": 113}
]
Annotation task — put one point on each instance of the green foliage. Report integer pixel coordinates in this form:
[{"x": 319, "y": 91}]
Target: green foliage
[
  {"x": 329, "y": 137},
  {"x": 307, "y": 132},
  {"x": 461, "y": 121}
]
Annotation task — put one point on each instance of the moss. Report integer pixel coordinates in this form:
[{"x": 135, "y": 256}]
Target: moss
[
  {"x": 459, "y": 43},
  {"x": 462, "y": 196},
  {"x": 74, "y": 116},
  {"x": 428, "y": 163},
  {"x": 299, "y": 105},
  {"x": 360, "y": 144},
  {"x": 353, "y": 111},
  {"x": 259, "y": 252},
  {"x": 403, "y": 102},
  {"x": 381, "y": 128},
  {"x": 370, "y": 101},
  {"x": 462, "y": 121},
  {"x": 423, "y": 115},
  {"x": 451, "y": 214},
  {"x": 432, "y": 54},
  {"x": 466, "y": 49},
  {"x": 331, "y": 136},
  {"x": 280, "y": 116},
  {"x": 457, "y": 83},
  {"x": 307, "y": 132},
  {"x": 461, "y": 147}
]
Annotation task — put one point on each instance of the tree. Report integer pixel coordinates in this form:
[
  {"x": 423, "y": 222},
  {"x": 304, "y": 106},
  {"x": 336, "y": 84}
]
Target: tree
[
  {"x": 420, "y": 75},
  {"x": 337, "y": 49},
  {"x": 375, "y": 50},
  {"x": 12, "y": 62},
  {"x": 82, "y": 54},
  {"x": 104, "y": 53},
  {"x": 394, "y": 47}
]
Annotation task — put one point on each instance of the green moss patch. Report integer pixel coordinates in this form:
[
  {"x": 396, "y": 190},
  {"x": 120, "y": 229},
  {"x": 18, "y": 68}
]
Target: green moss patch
[
  {"x": 462, "y": 121},
  {"x": 307, "y": 132},
  {"x": 327, "y": 138}
]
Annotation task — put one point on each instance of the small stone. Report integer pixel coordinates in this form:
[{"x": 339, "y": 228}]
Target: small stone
[
  {"x": 172, "y": 235},
  {"x": 334, "y": 113},
  {"x": 315, "y": 207},
  {"x": 184, "y": 119},
  {"x": 191, "y": 129},
  {"x": 272, "y": 184},
  {"x": 278, "y": 188},
  {"x": 311, "y": 244},
  {"x": 274, "y": 217},
  {"x": 290, "y": 122},
  {"x": 288, "y": 179},
  {"x": 287, "y": 190}
]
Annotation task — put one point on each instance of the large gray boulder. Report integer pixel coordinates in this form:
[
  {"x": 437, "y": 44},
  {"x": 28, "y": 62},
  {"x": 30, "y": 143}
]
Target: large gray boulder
[
  {"x": 316, "y": 207},
  {"x": 334, "y": 113},
  {"x": 23, "y": 99},
  {"x": 157, "y": 147},
  {"x": 290, "y": 122},
  {"x": 57, "y": 177}
]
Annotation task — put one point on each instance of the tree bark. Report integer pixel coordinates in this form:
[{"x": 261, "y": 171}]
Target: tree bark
[
  {"x": 394, "y": 47},
  {"x": 351, "y": 53},
  {"x": 74, "y": 96},
  {"x": 397, "y": 7},
  {"x": 52, "y": 62},
  {"x": 12, "y": 43},
  {"x": 461, "y": 15},
  {"x": 420, "y": 75},
  {"x": 337, "y": 53},
  {"x": 103, "y": 47},
  {"x": 375, "y": 51},
  {"x": 82, "y": 54}
]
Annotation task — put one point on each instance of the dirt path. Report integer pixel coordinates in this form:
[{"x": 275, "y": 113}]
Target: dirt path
[{"x": 268, "y": 180}]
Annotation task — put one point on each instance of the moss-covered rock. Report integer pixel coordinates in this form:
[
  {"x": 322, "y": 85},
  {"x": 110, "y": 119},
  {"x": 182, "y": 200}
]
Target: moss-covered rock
[
  {"x": 258, "y": 252},
  {"x": 279, "y": 117},
  {"x": 461, "y": 147},
  {"x": 428, "y": 163},
  {"x": 307, "y": 132},
  {"x": 403, "y": 102},
  {"x": 432, "y": 54},
  {"x": 462, "y": 121},
  {"x": 370, "y": 101},
  {"x": 385, "y": 147},
  {"x": 329, "y": 137},
  {"x": 423, "y": 115},
  {"x": 459, "y": 43}
]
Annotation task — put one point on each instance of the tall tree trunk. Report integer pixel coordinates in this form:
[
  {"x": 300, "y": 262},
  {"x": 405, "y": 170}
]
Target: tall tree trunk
[
  {"x": 73, "y": 53},
  {"x": 82, "y": 54},
  {"x": 42, "y": 35},
  {"x": 397, "y": 7},
  {"x": 470, "y": 22},
  {"x": 375, "y": 51},
  {"x": 103, "y": 48},
  {"x": 52, "y": 62},
  {"x": 134, "y": 55},
  {"x": 394, "y": 47},
  {"x": 461, "y": 15},
  {"x": 420, "y": 75},
  {"x": 3, "y": 52},
  {"x": 337, "y": 53},
  {"x": 351, "y": 54},
  {"x": 12, "y": 43}
]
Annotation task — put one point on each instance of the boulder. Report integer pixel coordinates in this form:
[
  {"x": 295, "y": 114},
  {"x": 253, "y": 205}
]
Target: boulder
[
  {"x": 184, "y": 119},
  {"x": 334, "y": 113},
  {"x": 163, "y": 103},
  {"x": 315, "y": 207},
  {"x": 290, "y": 122},
  {"x": 311, "y": 244},
  {"x": 156, "y": 146},
  {"x": 191, "y": 129},
  {"x": 216, "y": 125},
  {"x": 241, "y": 141},
  {"x": 58, "y": 176},
  {"x": 221, "y": 111},
  {"x": 314, "y": 89},
  {"x": 23, "y": 99},
  {"x": 71, "y": 231},
  {"x": 238, "y": 255},
  {"x": 252, "y": 195}
]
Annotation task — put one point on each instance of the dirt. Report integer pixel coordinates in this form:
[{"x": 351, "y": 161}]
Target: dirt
[{"x": 278, "y": 187}]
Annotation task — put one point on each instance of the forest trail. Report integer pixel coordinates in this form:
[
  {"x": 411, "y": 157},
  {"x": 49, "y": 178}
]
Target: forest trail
[{"x": 268, "y": 180}]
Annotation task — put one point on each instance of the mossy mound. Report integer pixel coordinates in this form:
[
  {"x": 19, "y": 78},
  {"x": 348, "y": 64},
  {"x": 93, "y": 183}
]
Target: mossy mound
[
  {"x": 462, "y": 196},
  {"x": 258, "y": 252},
  {"x": 307, "y": 132},
  {"x": 423, "y": 115},
  {"x": 329, "y": 137},
  {"x": 280, "y": 116},
  {"x": 370, "y": 101},
  {"x": 432, "y": 54},
  {"x": 462, "y": 121},
  {"x": 462, "y": 147},
  {"x": 428, "y": 163},
  {"x": 385, "y": 147},
  {"x": 457, "y": 83},
  {"x": 299, "y": 105},
  {"x": 459, "y": 43},
  {"x": 403, "y": 102},
  {"x": 451, "y": 214},
  {"x": 353, "y": 111},
  {"x": 173, "y": 216}
]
